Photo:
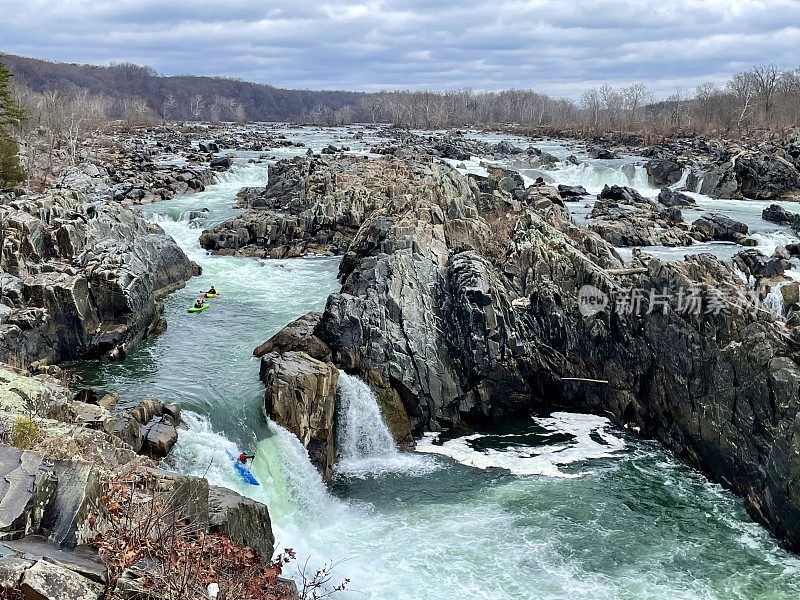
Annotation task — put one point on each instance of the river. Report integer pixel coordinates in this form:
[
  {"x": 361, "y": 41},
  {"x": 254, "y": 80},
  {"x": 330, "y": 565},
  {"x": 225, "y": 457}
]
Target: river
[{"x": 558, "y": 506}]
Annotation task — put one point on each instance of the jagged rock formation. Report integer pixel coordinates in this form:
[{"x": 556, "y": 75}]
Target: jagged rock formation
[
  {"x": 760, "y": 176},
  {"x": 311, "y": 205},
  {"x": 469, "y": 314},
  {"x": 623, "y": 217},
  {"x": 81, "y": 278}
]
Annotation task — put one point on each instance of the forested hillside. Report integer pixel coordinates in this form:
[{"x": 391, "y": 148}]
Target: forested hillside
[{"x": 134, "y": 89}]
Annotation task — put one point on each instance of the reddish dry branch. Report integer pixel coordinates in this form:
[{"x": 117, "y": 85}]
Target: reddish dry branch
[{"x": 136, "y": 528}]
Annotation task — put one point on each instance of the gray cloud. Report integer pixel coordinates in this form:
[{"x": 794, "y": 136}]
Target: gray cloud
[{"x": 560, "y": 47}]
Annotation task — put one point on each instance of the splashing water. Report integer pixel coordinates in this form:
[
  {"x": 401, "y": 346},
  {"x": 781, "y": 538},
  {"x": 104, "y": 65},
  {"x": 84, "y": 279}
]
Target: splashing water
[{"x": 364, "y": 443}]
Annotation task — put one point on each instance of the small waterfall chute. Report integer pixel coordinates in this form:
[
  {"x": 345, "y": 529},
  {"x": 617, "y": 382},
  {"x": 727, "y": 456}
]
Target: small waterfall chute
[
  {"x": 365, "y": 446},
  {"x": 773, "y": 301}
]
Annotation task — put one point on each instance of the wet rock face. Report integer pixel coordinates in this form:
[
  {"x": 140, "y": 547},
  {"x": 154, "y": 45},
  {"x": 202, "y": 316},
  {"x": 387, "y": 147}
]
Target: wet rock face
[
  {"x": 82, "y": 278},
  {"x": 300, "y": 395}
]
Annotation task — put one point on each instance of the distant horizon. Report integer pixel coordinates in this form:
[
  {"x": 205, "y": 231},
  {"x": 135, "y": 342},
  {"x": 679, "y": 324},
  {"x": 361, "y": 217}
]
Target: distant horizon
[{"x": 558, "y": 48}]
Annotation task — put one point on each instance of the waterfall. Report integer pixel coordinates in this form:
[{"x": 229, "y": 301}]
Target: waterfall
[
  {"x": 773, "y": 301},
  {"x": 361, "y": 430},
  {"x": 681, "y": 183},
  {"x": 365, "y": 446}
]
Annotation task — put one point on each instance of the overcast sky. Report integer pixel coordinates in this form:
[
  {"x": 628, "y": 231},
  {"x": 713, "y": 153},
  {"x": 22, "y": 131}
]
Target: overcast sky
[{"x": 559, "y": 47}]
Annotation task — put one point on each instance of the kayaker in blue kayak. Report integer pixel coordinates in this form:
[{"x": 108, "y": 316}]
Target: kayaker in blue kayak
[{"x": 244, "y": 457}]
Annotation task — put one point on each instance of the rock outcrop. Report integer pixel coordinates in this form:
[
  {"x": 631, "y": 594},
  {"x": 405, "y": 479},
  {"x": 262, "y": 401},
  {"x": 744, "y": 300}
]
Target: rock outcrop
[
  {"x": 51, "y": 489},
  {"x": 664, "y": 171},
  {"x": 623, "y": 217},
  {"x": 80, "y": 279},
  {"x": 718, "y": 227},
  {"x": 301, "y": 396},
  {"x": 311, "y": 205},
  {"x": 470, "y": 312},
  {"x": 670, "y": 198},
  {"x": 756, "y": 175},
  {"x": 777, "y": 214}
]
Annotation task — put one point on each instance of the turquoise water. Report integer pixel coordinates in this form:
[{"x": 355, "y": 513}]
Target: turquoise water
[{"x": 558, "y": 506}]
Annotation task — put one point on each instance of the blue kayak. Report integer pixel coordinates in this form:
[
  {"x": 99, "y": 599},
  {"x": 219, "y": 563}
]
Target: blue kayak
[{"x": 242, "y": 469}]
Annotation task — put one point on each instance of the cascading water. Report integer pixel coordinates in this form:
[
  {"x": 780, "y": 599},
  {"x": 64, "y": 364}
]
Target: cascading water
[
  {"x": 362, "y": 432},
  {"x": 561, "y": 506},
  {"x": 773, "y": 301},
  {"x": 364, "y": 443}
]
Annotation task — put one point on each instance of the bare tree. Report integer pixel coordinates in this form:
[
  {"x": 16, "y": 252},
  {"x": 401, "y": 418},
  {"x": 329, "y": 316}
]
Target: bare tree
[{"x": 765, "y": 79}]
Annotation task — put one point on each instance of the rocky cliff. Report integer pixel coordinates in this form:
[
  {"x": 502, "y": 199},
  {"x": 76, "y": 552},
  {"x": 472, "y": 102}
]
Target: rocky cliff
[
  {"x": 465, "y": 303},
  {"x": 81, "y": 278}
]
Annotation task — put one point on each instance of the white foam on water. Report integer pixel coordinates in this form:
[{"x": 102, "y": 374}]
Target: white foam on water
[
  {"x": 525, "y": 460},
  {"x": 364, "y": 443},
  {"x": 681, "y": 183}
]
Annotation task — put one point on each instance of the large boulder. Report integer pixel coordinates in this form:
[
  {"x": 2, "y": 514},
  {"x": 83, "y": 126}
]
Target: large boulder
[
  {"x": 775, "y": 213},
  {"x": 300, "y": 396},
  {"x": 50, "y": 581},
  {"x": 572, "y": 191},
  {"x": 663, "y": 171},
  {"x": 299, "y": 335},
  {"x": 599, "y": 152},
  {"x": 243, "y": 520},
  {"x": 669, "y": 197},
  {"x": 311, "y": 205},
  {"x": 718, "y": 227}
]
